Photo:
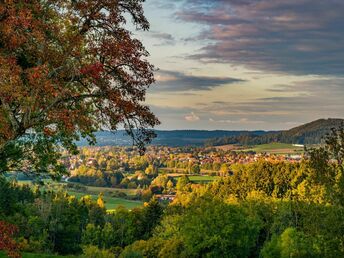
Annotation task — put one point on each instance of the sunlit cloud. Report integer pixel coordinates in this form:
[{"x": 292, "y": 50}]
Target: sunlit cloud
[
  {"x": 192, "y": 117},
  {"x": 239, "y": 121}
]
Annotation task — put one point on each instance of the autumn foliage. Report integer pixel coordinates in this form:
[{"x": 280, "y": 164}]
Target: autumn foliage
[
  {"x": 70, "y": 68},
  {"x": 6, "y": 239}
]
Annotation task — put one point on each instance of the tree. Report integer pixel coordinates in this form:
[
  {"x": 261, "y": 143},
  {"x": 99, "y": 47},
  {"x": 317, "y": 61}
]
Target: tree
[
  {"x": 169, "y": 185},
  {"x": 100, "y": 201},
  {"x": 152, "y": 213},
  {"x": 224, "y": 170},
  {"x": 195, "y": 169},
  {"x": 151, "y": 170},
  {"x": 290, "y": 243},
  {"x": 211, "y": 228},
  {"x": 7, "y": 242},
  {"x": 94, "y": 251},
  {"x": 216, "y": 166},
  {"x": 68, "y": 69},
  {"x": 326, "y": 164},
  {"x": 160, "y": 180},
  {"x": 335, "y": 144},
  {"x": 91, "y": 235},
  {"x": 182, "y": 182}
]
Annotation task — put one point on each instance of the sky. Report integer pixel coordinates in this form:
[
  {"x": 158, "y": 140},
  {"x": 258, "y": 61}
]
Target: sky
[{"x": 245, "y": 64}]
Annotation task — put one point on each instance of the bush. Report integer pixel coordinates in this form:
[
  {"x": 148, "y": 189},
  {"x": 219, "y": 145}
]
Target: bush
[
  {"x": 119, "y": 194},
  {"x": 290, "y": 243},
  {"x": 92, "y": 251}
]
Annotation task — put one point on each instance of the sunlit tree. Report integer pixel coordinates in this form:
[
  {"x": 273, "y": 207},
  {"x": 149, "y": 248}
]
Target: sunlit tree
[{"x": 68, "y": 69}]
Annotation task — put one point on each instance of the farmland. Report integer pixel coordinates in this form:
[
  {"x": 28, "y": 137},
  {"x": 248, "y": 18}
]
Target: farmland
[
  {"x": 199, "y": 179},
  {"x": 111, "y": 203},
  {"x": 276, "y": 148}
]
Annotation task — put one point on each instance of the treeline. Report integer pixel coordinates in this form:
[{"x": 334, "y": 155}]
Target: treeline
[{"x": 283, "y": 137}]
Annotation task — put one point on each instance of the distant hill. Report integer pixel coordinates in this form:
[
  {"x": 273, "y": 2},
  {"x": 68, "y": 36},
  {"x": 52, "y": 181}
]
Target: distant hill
[
  {"x": 175, "y": 138},
  {"x": 194, "y": 137},
  {"x": 305, "y": 134},
  {"x": 310, "y": 133}
]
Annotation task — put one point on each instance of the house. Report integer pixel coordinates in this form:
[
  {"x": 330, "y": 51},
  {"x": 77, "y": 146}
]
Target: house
[{"x": 165, "y": 197}]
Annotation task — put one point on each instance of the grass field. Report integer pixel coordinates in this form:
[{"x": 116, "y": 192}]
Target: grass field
[
  {"x": 129, "y": 192},
  {"x": 91, "y": 189},
  {"x": 197, "y": 179},
  {"x": 111, "y": 203},
  {"x": 276, "y": 148}
]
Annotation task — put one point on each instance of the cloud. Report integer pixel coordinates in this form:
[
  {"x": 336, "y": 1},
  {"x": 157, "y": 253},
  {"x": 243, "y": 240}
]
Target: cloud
[
  {"x": 178, "y": 81},
  {"x": 321, "y": 87},
  {"x": 164, "y": 4},
  {"x": 300, "y": 102},
  {"x": 239, "y": 121},
  {"x": 293, "y": 103},
  {"x": 192, "y": 117},
  {"x": 164, "y": 38},
  {"x": 290, "y": 36}
]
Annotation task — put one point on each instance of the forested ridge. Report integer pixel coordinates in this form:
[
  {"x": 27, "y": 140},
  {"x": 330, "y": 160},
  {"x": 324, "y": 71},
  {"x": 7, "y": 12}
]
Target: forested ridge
[{"x": 310, "y": 133}]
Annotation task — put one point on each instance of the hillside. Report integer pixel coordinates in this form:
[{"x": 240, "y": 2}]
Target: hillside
[
  {"x": 174, "y": 138},
  {"x": 310, "y": 133}
]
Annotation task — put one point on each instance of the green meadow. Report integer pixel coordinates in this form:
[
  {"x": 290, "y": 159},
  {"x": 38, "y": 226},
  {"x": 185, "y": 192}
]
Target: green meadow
[
  {"x": 198, "y": 179},
  {"x": 111, "y": 203},
  {"x": 276, "y": 148},
  {"x": 96, "y": 189},
  {"x": 202, "y": 179}
]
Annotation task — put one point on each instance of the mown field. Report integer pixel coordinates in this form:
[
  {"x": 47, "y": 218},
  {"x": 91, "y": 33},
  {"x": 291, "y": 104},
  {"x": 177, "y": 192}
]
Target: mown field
[
  {"x": 95, "y": 189},
  {"x": 276, "y": 148},
  {"x": 202, "y": 179},
  {"x": 197, "y": 179},
  {"x": 111, "y": 203}
]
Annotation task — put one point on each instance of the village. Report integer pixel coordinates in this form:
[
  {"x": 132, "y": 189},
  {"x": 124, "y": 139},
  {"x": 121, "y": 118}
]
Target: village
[{"x": 182, "y": 158}]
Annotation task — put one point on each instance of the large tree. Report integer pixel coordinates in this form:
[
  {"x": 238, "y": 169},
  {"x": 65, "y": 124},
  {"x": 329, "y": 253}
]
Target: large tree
[{"x": 67, "y": 69}]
